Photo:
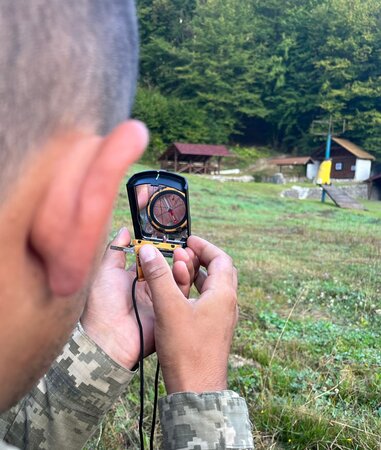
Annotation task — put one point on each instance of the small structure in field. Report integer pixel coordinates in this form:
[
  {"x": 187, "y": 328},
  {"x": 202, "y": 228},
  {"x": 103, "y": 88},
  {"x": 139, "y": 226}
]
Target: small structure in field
[
  {"x": 293, "y": 165},
  {"x": 193, "y": 158},
  {"x": 349, "y": 161},
  {"x": 374, "y": 187}
]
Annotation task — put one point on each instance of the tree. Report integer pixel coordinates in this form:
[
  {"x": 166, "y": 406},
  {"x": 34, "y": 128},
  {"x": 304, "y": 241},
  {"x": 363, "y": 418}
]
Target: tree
[
  {"x": 169, "y": 119},
  {"x": 273, "y": 65}
]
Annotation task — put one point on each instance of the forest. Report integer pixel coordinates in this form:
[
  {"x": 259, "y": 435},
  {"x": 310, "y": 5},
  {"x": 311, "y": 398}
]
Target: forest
[{"x": 258, "y": 73}]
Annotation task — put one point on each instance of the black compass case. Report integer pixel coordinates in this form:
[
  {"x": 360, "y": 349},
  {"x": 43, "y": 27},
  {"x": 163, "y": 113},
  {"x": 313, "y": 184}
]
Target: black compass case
[{"x": 166, "y": 194}]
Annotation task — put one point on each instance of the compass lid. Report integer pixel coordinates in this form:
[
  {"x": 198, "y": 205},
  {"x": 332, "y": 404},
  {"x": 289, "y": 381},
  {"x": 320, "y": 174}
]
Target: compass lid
[{"x": 159, "y": 204}]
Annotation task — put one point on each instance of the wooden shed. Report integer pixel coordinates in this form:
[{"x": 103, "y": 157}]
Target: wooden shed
[
  {"x": 349, "y": 161},
  {"x": 295, "y": 165},
  {"x": 193, "y": 158}
]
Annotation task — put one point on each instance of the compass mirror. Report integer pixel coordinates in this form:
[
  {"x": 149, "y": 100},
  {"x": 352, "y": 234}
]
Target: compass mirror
[{"x": 160, "y": 204}]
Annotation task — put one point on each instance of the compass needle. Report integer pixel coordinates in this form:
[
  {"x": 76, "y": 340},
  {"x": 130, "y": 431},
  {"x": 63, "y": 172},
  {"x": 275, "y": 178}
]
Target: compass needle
[
  {"x": 167, "y": 209},
  {"x": 166, "y": 202}
]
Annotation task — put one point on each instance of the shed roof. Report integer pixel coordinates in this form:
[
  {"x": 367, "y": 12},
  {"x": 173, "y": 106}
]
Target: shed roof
[
  {"x": 198, "y": 149},
  {"x": 294, "y": 161},
  {"x": 353, "y": 148}
]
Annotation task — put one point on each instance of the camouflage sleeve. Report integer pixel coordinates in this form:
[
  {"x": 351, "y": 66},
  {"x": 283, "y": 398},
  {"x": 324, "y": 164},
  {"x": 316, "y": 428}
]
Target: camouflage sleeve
[
  {"x": 67, "y": 405},
  {"x": 210, "y": 421}
]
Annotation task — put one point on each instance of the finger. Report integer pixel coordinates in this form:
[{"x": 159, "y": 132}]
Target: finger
[
  {"x": 195, "y": 262},
  {"x": 190, "y": 260},
  {"x": 200, "y": 280},
  {"x": 204, "y": 250},
  {"x": 142, "y": 193},
  {"x": 159, "y": 278},
  {"x": 116, "y": 258},
  {"x": 182, "y": 277},
  {"x": 180, "y": 255},
  {"x": 218, "y": 264}
]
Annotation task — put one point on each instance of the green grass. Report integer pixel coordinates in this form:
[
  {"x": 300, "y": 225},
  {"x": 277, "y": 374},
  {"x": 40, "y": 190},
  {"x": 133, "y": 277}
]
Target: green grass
[{"x": 308, "y": 345}]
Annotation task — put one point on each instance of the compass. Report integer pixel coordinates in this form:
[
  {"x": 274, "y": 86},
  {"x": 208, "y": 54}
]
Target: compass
[
  {"x": 159, "y": 205},
  {"x": 167, "y": 210}
]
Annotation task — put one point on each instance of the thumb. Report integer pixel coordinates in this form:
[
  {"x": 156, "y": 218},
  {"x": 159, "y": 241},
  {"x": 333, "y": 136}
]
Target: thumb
[
  {"x": 159, "y": 278},
  {"x": 113, "y": 258}
]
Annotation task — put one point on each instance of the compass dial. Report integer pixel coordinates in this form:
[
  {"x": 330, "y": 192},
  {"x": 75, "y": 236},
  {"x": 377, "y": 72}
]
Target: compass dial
[{"x": 167, "y": 210}]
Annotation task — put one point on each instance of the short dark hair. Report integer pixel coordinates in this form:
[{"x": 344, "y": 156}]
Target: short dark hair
[{"x": 63, "y": 64}]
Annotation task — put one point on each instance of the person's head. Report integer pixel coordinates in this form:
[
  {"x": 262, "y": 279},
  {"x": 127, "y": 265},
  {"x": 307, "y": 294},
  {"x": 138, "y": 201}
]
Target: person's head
[{"x": 67, "y": 79}]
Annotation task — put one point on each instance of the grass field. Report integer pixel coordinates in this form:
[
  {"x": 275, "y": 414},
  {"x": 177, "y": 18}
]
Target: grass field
[{"x": 307, "y": 351}]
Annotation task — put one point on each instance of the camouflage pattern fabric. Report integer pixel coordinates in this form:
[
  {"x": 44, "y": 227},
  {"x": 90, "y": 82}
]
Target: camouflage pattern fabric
[
  {"x": 209, "y": 421},
  {"x": 67, "y": 405}
]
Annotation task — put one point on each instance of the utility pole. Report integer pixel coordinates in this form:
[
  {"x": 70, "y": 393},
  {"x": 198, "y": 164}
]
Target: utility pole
[
  {"x": 327, "y": 151},
  {"x": 330, "y": 123}
]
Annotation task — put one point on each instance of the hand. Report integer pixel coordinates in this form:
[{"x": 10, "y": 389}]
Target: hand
[
  {"x": 109, "y": 318},
  {"x": 193, "y": 337}
]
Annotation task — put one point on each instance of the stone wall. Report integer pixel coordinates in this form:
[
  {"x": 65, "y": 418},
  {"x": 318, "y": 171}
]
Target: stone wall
[{"x": 356, "y": 190}]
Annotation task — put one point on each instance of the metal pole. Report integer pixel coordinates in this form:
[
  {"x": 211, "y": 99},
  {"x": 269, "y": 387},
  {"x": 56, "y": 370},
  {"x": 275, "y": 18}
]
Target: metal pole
[
  {"x": 219, "y": 164},
  {"x": 327, "y": 151}
]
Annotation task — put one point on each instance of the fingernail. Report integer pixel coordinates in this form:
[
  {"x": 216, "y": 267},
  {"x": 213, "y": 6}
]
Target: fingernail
[
  {"x": 118, "y": 238},
  {"x": 121, "y": 231},
  {"x": 147, "y": 253}
]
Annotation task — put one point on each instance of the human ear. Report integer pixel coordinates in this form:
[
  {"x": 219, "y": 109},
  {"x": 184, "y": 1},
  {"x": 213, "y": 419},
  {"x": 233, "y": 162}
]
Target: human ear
[{"x": 72, "y": 217}]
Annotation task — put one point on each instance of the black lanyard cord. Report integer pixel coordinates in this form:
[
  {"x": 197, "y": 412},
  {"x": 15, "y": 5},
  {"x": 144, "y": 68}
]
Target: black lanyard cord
[
  {"x": 141, "y": 366},
  {"x": 155, "y": 404}
]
